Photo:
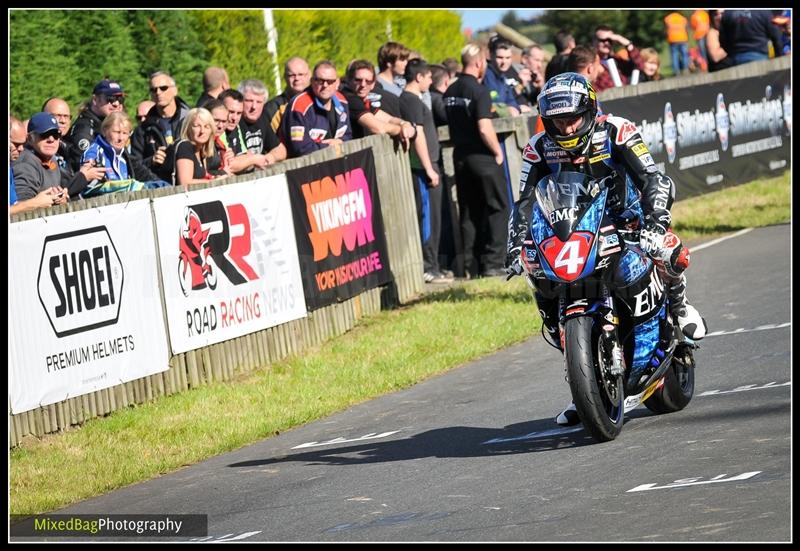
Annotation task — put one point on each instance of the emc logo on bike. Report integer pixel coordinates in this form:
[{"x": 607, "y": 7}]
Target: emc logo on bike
[{"x": 80, "y": 281}]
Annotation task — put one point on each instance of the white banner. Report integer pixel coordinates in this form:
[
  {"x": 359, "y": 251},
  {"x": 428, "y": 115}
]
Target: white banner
[
  {"x": 84, "y": 306},
  {"x": 229, "y": 262}
]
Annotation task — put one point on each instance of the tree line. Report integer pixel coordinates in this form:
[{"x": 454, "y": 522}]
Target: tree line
[{"x": 65, "y": 53}]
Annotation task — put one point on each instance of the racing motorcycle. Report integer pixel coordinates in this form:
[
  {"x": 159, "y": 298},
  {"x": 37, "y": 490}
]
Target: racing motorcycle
[{"x": 621, "y": 346}]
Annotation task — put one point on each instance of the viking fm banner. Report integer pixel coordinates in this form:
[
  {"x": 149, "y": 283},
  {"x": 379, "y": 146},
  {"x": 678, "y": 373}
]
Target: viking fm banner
[
  {"x": 339, "y": 228},
  {"x": 228, "y": 261},
  {"x": 715, "y": 135},
  {"x": 84, "y": 305}
]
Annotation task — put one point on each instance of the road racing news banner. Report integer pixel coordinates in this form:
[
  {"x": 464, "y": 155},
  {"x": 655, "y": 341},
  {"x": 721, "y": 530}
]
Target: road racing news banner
[{"x": 108, "y": 526}]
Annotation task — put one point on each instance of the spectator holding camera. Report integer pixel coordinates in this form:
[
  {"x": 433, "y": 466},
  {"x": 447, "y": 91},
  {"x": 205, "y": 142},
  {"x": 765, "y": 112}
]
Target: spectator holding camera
[
  {"x": 157, "y": 132},
  {"x": 618, "y": 68},
  {"x": 533, "y": 60},
  {"x": 36, "y": 169},
  {"x": 108, "y": 152}
]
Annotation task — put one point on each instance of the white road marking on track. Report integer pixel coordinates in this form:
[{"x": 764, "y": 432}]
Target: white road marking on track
[
  {"x": 721, "y": 239},
  {"x": 743, "y": 388},
  {"x": 340, "y": 440},
  {"x": 743, "y": 330},
  {"x": 693, "y": 482},
  {"x": 226, "y": 537},
  {"x": 241, "y": 536}
]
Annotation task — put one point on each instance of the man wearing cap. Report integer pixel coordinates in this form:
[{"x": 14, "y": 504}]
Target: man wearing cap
[
  {"x": 107, "y": 97},
  {"x": 36, "y": 170}
]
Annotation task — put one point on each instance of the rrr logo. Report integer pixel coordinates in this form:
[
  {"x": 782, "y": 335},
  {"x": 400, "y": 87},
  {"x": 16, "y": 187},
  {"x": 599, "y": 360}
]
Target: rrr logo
[{"x": 214, "y": 238}]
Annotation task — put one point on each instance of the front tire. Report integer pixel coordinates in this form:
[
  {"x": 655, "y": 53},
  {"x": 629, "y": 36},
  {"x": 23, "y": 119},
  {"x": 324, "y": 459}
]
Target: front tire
[{"x": 598, "y": 397}]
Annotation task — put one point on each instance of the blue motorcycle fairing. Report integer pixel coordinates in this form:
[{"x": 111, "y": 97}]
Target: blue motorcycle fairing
[{"x": 646, "y": 337}]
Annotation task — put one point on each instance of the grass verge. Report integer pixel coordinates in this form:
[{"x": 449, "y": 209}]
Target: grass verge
[
  {"x": 759, "y": 203},
  {"x": 389, "y": 351}
]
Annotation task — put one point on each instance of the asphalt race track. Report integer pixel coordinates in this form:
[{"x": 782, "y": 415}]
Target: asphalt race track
[{"x": 475, "y": 455}]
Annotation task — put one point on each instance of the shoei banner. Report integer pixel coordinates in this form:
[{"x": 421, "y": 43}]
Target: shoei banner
[
  {"x": 714, "y": 135},
  {"x": 228, "y": 262},
  {"x": 339, "y": 228},
  {"x": 85, "y": 310}
]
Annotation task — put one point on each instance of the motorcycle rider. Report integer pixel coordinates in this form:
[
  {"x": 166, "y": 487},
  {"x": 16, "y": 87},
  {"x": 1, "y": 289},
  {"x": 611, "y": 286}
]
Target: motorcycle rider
[{"x": 577, "y": 138}]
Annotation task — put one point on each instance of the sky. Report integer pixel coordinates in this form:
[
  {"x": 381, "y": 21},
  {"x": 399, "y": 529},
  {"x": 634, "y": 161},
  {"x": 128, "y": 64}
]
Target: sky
[{"x": 481, "y": 19}]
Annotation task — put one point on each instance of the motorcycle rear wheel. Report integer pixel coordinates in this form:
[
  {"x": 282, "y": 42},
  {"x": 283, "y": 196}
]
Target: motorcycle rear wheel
[
  {"x": 678, "y": 388},
  {"x": 600, "y": 406}
]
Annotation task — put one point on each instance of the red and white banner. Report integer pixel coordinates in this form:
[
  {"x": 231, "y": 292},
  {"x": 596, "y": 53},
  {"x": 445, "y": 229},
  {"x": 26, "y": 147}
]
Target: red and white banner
[
  {"x": 229, "y": 262},
  {"x": 84, "y": 306}
]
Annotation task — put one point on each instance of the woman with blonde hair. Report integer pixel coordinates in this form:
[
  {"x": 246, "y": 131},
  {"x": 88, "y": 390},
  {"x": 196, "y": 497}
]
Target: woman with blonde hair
[
  {"x": 109, "y": 151},
  {"x": 195, "y": 149},
  {"x": 651, "y": 69}
]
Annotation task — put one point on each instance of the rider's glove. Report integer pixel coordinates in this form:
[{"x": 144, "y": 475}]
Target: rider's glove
[
  {"x": 514, "y": 262},
  {"x": 651, "y": 236}
]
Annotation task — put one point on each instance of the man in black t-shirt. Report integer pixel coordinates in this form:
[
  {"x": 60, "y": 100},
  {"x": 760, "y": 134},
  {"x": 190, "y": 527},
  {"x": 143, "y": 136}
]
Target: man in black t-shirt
[
  {"x": 297, "y": 75},
  {"x": 243, "y": 161},
  {"x": 483, "y": 193},
  {"x": 383, "y": 100},
  {"x": 367, "y": 117},
  {"x": 424, "y": 166},
  {"x": 259, "y": 138}
]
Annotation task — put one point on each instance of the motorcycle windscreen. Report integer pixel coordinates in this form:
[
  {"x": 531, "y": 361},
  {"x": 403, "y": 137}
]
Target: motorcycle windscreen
[
  {"x": 563, "y": 198},
  {"x": 563, "y": 201}
]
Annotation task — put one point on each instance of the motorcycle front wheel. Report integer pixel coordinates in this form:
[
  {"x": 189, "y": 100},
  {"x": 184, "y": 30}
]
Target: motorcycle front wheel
[{"x": 598, "y": 396}]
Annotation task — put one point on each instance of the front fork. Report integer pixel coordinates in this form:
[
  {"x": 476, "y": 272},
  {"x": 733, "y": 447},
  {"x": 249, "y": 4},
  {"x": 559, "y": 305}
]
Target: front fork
[
  {"x": 610, "y": 347},
  {"x": 604, "y": 312}
]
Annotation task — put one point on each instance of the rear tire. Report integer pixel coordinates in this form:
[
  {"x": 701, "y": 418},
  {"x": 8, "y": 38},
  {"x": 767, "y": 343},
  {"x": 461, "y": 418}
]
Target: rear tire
[
  {"x": 678, "y": 388},
  {"x": 600, "y": 407}
]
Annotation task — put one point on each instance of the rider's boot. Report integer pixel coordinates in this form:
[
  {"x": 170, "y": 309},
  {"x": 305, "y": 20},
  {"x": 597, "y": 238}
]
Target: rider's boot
[
  {"x": 692, "y": 324},
  {"x": 569, "y": 416}
]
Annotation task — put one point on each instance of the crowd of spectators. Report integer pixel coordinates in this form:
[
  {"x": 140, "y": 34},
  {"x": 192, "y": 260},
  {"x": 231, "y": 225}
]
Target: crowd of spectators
[{"x": 54, "y": 158}]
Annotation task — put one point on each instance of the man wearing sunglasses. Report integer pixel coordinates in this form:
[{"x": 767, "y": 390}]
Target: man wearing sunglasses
[
  {"x": 318, "y": 117},
  {"x": 36, "y": 169},
  {"x": 161, "y": 127},
  {"x": 604, "y": 40},
  {"x": 108, "y": 96}
]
